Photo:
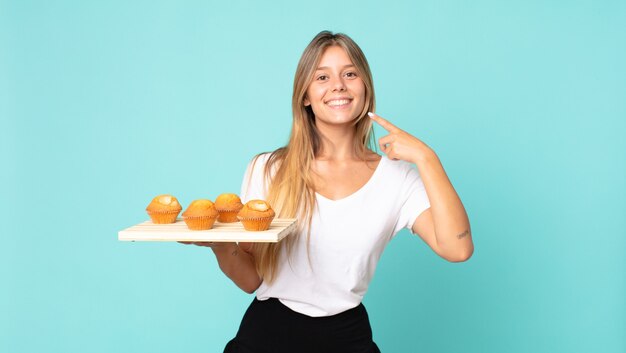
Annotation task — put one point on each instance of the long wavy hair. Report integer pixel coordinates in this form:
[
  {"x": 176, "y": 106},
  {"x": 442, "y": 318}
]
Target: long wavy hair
[{"x": 291, "y": 190}]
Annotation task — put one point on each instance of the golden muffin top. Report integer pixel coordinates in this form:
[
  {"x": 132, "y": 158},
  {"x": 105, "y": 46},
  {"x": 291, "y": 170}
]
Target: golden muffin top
[
  {"x": 200, "y": 207},
  {"x": 256, "y": 208},
  {"x": 164, "y": 203},
  {"x": 228, "y": 202}
]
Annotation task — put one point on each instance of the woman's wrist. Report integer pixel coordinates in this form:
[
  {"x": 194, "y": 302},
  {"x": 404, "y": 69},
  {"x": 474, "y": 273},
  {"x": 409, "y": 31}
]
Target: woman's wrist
[
  {"x": 426, "y": 156},
  {"x": 221, "y": 249}
]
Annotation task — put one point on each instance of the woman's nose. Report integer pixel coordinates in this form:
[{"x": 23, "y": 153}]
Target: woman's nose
[{"x": 338, "y": 85}]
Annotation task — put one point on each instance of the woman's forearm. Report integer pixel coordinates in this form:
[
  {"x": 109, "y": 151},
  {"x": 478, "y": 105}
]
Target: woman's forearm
[
  {"x": 450, "y": 221},
  {"x": 238, "y": 265}
]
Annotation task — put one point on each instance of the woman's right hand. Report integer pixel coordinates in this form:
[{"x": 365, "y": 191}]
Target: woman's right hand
[
  {"x": 208, "y": 244},
  {"x": 222, "y": 246}
]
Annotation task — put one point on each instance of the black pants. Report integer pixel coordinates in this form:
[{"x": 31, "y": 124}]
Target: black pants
[{"x": 268, "y": 326}]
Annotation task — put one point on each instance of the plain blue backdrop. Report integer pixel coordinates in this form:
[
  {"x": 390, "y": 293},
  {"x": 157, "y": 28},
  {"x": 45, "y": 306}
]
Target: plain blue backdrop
[{"x": 105, "y": 104}]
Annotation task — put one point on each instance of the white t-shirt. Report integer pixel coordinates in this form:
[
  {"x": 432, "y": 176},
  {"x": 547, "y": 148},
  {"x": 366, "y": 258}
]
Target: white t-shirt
[{"x": 347, "y": 238}]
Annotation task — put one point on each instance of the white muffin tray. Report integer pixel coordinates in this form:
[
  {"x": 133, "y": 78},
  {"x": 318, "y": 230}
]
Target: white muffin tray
[{"x": 221, "y": 232}]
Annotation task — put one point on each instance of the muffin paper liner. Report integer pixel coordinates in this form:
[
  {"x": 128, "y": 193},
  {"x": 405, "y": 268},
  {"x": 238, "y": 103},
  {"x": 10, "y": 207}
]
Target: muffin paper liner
[
  {"x": 199, "y": 222},
  {"x": 256, "y": 224},
  {"x": 228, "y": 216},
  {"x": 163, "y": 217}
]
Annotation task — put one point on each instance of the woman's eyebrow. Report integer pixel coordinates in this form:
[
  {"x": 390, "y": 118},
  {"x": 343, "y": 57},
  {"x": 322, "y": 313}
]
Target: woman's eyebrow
[{"x": 327, "y": 68}]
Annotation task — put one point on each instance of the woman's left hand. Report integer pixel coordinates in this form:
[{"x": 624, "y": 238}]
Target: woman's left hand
[{"x": 399, "y": 144}]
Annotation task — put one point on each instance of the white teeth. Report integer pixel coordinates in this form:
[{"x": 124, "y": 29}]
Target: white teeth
[{"x": 337, "y": 102}]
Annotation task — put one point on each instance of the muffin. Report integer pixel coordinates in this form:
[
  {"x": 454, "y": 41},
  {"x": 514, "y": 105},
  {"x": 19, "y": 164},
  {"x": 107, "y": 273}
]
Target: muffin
[
  {"x": 228, "y": 205},
  {"x": 256, "y": 215},
  {"x": 200, "y": 215},
  {"x": 164, "y": 209}
]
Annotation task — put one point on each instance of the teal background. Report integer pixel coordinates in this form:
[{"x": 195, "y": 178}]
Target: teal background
[{"x": 105, "y": 104}]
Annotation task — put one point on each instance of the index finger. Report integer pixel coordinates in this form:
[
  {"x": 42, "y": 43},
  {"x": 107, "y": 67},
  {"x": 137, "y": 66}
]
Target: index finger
[{"x": 382, "y": 122}]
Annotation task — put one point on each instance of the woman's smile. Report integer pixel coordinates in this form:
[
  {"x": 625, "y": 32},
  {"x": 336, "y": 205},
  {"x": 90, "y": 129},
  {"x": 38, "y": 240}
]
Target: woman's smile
[{"x": 339, "y": 103}]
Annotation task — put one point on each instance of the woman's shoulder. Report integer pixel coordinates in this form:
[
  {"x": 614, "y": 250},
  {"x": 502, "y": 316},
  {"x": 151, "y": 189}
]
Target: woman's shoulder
[
  {"x": 260, "y": 158},
  {"x": 398, "y": 168},
  {"x": 263, "y": 158},
  {"x": 255, "y": 182}
]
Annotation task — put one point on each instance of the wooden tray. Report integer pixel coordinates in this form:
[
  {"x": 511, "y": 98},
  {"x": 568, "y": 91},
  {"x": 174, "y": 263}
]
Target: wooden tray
[{"x": 221, "y": 232}]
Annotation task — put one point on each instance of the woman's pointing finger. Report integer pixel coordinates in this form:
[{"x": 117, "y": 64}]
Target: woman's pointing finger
[{"x": 382, "y": 122}]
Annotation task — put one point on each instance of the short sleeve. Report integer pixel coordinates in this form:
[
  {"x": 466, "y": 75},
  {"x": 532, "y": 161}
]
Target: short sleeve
[
  {"x": 416, "y": 200},
  {"x": 254, "y": 185}
]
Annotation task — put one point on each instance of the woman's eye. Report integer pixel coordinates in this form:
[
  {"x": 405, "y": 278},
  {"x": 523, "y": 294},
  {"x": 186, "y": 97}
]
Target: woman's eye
[
  {"x": 322, "y": 77},
  {"x": 351, "y": 74}
]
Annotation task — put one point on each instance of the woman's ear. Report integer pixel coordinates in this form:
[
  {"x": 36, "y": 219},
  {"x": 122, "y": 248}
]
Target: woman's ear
[{"x": 306, "y": 102}]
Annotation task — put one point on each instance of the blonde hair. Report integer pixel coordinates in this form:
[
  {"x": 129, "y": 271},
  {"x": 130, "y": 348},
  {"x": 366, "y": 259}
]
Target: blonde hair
[{"x": 291, "y": 189}]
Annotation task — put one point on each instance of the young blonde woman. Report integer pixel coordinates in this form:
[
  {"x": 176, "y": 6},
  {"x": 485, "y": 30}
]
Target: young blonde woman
[{"x": 350, "y": 202}]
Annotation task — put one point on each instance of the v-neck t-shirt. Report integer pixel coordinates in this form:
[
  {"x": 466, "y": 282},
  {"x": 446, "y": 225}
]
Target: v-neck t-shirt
[{"x": 347, "y": 238}]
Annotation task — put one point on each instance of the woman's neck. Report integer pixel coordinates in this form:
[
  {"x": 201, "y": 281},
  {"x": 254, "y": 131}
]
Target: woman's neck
[{"x": 337, "y": 143}]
